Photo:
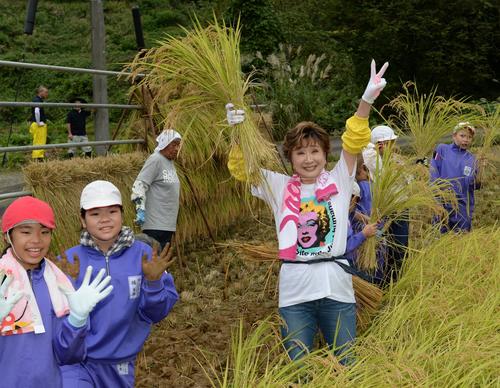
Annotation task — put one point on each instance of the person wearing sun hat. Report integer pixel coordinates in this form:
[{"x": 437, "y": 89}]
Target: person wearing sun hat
[
  {"x": 43, "y": 320},
  {"x": 144, "y": 292},
  {"x": 156, "y": 189},
  {"x": 455, "y": 163}
]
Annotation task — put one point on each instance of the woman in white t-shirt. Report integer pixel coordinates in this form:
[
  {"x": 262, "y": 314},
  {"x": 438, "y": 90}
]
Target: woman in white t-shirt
[{"x": 311, "y": 213}]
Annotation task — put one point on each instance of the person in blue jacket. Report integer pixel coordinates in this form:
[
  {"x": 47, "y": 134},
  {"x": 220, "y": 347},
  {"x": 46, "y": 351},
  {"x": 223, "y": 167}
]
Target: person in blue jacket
[
  {"x": 36, "y": 332},
  {"x": 144, "y": 293},
  {"x": 455, "y": 163},
  {"x": 358, "y": 233}
]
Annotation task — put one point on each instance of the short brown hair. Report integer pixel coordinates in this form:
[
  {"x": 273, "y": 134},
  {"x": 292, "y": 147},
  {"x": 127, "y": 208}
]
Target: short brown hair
[{"x": 305, "y": 130}]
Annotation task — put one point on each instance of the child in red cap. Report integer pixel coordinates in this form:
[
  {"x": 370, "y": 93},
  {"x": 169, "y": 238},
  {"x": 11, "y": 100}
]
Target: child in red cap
[{"x": 36, "y": 332}]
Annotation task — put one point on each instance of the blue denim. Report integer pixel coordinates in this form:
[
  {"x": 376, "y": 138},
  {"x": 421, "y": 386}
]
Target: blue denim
[{"x": 336, "y": 320}]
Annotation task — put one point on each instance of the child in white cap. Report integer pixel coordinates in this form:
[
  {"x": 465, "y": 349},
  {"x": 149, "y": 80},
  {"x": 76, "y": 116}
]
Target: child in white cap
[
  {"x": 144, "y": 293},
  {"x": 156, "y": 190}
]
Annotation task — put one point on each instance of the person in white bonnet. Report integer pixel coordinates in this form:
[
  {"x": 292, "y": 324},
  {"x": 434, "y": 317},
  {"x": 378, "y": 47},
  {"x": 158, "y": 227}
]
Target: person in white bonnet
[
  {"x": 156, "y": 189},
  {"x": 381, "y": 138}
]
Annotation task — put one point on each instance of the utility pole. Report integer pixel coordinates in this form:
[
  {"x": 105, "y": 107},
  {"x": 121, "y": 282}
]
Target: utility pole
[{"x": 100, "y": 82}]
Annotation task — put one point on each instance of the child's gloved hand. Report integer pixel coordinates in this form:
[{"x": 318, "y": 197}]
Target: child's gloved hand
[
  {"x": 234, "y": 116},
  {"x": 376, "y": 83},
  {"x": 82, "y": 301},
  {"x": 41, "y": 124},
  {"x": 154, "y": 268},
  {"x": 8, "y": 303},
  {"x": 140, "y": 217}
]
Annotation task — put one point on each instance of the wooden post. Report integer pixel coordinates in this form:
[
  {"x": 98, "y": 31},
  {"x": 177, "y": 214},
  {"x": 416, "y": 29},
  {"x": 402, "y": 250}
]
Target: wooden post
[{"x": 100, "y": 82}]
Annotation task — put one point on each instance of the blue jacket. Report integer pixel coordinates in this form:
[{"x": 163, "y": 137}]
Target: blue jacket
[
  {"x": 121, "y": 323},
  {"x": 365, "y": 202},
  {"x": 32, "y": 360},
  {"x": 459, "y": 166}
]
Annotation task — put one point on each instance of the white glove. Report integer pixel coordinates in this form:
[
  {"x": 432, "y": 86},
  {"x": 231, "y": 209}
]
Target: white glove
[
  {"x": 7, "y": 304},
  {"x": 376, "y": 83},
  {"x": 234, "y": 116},
  {"x": 82, "y": 301},
  {"x": 41, "y": 124}
]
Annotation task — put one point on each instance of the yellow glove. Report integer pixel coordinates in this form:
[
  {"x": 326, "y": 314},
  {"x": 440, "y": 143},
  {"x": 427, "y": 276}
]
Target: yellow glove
[
  {"x": 356, "y": 135},
  {"x": 236, "y": 164}
]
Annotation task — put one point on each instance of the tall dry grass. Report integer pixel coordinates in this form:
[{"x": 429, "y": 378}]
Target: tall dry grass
[{"x": 427, "y": 117}]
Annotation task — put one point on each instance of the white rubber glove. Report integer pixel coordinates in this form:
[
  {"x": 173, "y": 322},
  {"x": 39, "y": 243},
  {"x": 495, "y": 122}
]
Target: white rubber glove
[
  {"x": 82, "y": 301},
  {"x": 234, "y": 116},
  {"x": 41, "y": 124},
  {"x": 376, "y": 83},
  {"x": 7, "y": 304}
]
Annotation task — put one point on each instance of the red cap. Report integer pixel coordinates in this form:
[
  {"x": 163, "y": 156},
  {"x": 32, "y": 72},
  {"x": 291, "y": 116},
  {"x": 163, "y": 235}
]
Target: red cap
[{"x": 27, "y": 209}]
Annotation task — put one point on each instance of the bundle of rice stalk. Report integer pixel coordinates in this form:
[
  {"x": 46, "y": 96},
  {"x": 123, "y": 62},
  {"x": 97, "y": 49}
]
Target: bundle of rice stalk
[
  {"x": 396, "y": 190},
  {"x": 440, "y": 324},
  {"x": 193, "y": 78},
  {"x": 368, "y": 296},
  {"x": 259, "y": 359},
  {"x": 427, "y": 117}
]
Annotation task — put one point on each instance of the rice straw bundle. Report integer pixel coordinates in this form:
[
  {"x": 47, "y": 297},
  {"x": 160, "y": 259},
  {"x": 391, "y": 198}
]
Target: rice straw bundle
[
  {"x": 397, "y": 187},
  {"x": 192, "y": 78},
  {"x": 368, "y": 296},
  {"x": 428, "y": 117}
]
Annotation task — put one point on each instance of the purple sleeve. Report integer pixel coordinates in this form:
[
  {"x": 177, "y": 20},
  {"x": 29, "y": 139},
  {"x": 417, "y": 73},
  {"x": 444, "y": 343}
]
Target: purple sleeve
[
  {"x": 365, "y": 203},
  {"x": 69, "y": 342},
  {"x": 157, "y": 298},
  {"x": 437, "y": 159},
  {"x": 354, "y": 240}
]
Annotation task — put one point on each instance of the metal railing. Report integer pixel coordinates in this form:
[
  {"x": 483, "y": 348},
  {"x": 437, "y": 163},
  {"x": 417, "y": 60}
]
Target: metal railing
[
  {"x": 28, "y": 65},
  {"x": 69, "y": 145}
]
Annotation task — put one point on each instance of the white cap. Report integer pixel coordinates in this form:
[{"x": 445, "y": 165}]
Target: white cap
[
  {"x": 100, "y": 194},
  {"x": 356, "y": 191},
  {"x": 382, "y": 133},
  {"x": 464, "y": 125},
  {"x": 165, "y": 138}
]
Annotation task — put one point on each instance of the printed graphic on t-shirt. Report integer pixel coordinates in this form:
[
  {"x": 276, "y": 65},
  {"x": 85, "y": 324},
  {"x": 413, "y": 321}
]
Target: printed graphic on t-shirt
[
  {"x": 134, "y": 286},
  {"x": 122, "y": 368},
  {"x": 315, "y": 228},
  {"x": 169, "y": 176}
]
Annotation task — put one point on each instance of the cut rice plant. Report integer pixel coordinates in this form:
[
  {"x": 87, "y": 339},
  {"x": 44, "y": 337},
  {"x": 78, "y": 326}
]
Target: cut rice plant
[
  {"x": 192, "y": 79},
  {"x": 259, "y": 359},
  {"x": 427, "y": 117},
  {"x": 398, "y": 188}
]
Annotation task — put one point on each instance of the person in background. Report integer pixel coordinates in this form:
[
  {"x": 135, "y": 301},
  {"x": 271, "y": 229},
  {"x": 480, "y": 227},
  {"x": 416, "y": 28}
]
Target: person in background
[
  {"x": 357, "y": 233},
  {"x": 144, "y": 293},
  {"x": 36, "y": 333},
  {"x": 76, "y": 121},
  {"x": 156, "y": 190},
  {"x": 455, "y": 163},
  {"x": 315, "y": 290},
  {"x": 38, "y": 126},
  {"x": 383, "y": 138}
]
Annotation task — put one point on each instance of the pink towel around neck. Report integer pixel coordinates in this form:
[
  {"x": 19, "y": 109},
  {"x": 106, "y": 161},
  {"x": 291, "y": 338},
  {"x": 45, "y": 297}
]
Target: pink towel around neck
[
  {"x": 25, "y": 317},
  {"x": 324, "y": 188}
]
